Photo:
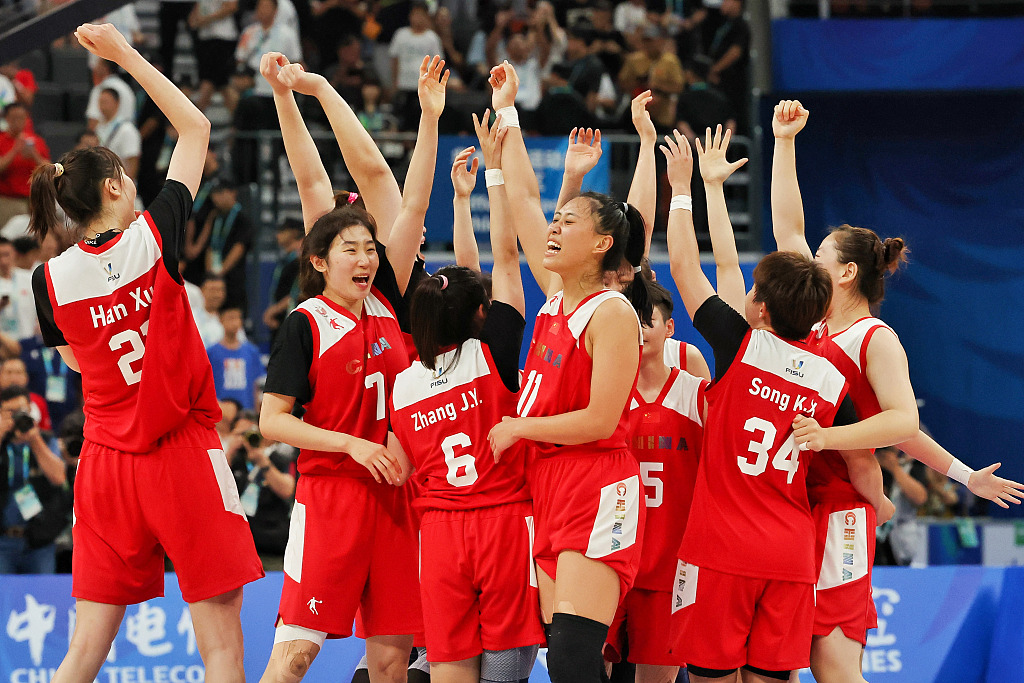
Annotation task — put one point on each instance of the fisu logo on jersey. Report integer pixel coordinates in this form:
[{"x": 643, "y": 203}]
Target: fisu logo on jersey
[
  {"x": 617, "y": 518},
  {"x": 111, "y": 275},
  {"x": 802, "y": 404},
  {"x": 795, "y": 367}
]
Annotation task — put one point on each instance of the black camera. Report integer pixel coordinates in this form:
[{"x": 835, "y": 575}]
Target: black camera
[
  {"x": 23, "y": 422},
  {"x": 253, "y": 437}
]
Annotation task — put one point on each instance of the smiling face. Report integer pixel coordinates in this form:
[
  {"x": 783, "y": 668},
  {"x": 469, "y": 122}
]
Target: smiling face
[
  {"x": 573, "y": 243},
  {"x": 350, "y": 266}
]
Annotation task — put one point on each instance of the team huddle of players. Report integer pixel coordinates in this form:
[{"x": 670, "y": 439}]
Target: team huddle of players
[{"x": 610, "y": 500}]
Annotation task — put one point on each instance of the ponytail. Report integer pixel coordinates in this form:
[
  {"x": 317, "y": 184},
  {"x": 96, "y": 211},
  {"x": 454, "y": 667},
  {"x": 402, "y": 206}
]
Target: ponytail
[
  {"x": 42, "y": 201},
  {"x": 894, "y": 254},
  {"x": 637, "y": 292},
  {"x": 75, "y": 184},
  {"x": 874, "y": 258},
  {"x": 443, "y": 312}
]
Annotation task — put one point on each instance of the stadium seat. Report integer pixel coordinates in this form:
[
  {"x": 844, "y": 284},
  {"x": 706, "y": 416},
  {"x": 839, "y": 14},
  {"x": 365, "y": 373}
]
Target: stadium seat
[
  {"x": 78, "y": 100},
  {"x": 70, "y": 66},
  {"x": 38, "y": 63},
  {"x": 49, "y": 104}
]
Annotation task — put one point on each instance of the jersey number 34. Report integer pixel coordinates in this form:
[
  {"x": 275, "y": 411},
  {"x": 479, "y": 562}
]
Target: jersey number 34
[{"x": 786, "y": 459}]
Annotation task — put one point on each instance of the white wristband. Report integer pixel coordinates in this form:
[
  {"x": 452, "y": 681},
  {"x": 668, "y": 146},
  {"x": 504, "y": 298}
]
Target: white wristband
[
  {"x": 959, "y": 472},
  {"x": 681, "y": 201},
  {"x": 494, "y": 177},
  {"x": 509, "y": 117}
]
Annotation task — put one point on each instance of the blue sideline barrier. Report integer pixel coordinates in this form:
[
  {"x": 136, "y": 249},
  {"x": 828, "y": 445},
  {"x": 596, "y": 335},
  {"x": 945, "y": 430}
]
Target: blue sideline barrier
[{"x": 939, "y": 624}]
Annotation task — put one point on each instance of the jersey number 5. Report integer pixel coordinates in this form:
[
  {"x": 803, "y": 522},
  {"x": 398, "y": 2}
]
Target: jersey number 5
[
  {"x": 137, "y": 349},
  {"x": 786, "y": 458}
]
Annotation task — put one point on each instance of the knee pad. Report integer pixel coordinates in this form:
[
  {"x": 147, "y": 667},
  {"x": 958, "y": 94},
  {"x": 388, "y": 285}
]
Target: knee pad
[
  {"x": 776, "y": 675},
  {"x": 709, "y": 673},
  {"x": 507, "y": 666},
  {"x": 574, "y": 649}
]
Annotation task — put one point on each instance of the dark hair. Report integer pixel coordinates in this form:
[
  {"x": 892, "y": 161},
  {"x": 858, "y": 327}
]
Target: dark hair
[
  {"x": 874, "y": 258},
  {"x": 700, "y": 66},
  {"x": 345, "y": 198},
  {"x": 626, "y": 226},
  {"x": 4, "y": 240},
  {"x": 14, "y": 105},
  {"x": 77, "y": 190},
  {"x": 71, "y": 432},
  {"x": 83, "y": 133},
  {"x": 661, "y": 299},
  {"x": 487, "y": 281},
  {"x": 318, "y": 240},
  {"x": 113, "y": 93},
  {"x": 23, "y": 245},
  {"x": 12, "y": 392},
  {"x": 795, "y": 290},
  {"x": 236, "y": 307},
  {"x": 443, "y": 311},
  {"x": 292, "y": 224}
]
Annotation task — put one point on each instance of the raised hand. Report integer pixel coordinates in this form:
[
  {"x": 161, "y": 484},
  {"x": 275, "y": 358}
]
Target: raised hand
[
  {"x": 490, "y": 137},
  {"x": 295, "y": 77},
  {"x": 505, "y": 83},
  {"x": 463, "y": 178},
  {"x": 985, "y": 484},
  {"x": 790, "y": 118},
  {"x": 104, "y": 41},
  {"x": 680, "y": 162},
  {"x": 270, "y": 64},
  {"x": 642, "y": 118},
  {"x": 714, "y": 168},
  {"x": 431, "y": 86},
  {"x": 584, "y": 151}
]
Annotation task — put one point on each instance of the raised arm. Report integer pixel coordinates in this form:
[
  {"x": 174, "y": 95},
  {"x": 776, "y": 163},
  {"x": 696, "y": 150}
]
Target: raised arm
[
  {"x": 683, "y": 252},
  {"x": 367, "y": 166},
  {"x": 404, "y": 240},
  {"x": 521, "y": 186},
  {"x": 189, "y": 156},
  {"x": 715, "y": 170},
  {"x": 506, "y": 276},
  {"x": 315, "y": 192},
  {"x": 787, "y": 207},
  {"x": 643, "y": 191},
  {"x": 581, "y": 156},
  {"x": 467, "y": 253}
]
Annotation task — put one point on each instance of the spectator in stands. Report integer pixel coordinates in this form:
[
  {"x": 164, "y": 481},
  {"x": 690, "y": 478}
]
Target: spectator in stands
[
  {"x": 905, "y": 481},
  {"x": 155, "y": 139},
  {"x": 236, "y": 363},
  {"x": 34, "y": 501},
  {"x": 265, "y": 474},
  {"x": 214, "y": 24},
  {"x": 729, "y": 51},
  {"x": 26, "y": 253},
  {"x": 607, "y": 43},
  {"x": 585, "y": 71},
  {"x": 284, "y": 283},
  {"x": 172, "y": 13},
  {"x": 193, "y": 263},
  {"x": 408, "y": 47},
  {"x": 228, "y": 234},
  {"x": 702, "y": 105},
  {"x": 528, "y": 69},
  {"x": 547, "y": 37},
  {"x": 87, "y": 138},
  {"x": 656, "y": 69},
  {"x": 17, "y": 305},
  {"x": 229, "y": 410},
  {"x": 13, "y": 373},
  {"x": 562, "y": 108},
  {"x": 208, "y": 317},
  {"x": 575, "y": 12},
  {"x": 104, "y": 76},
  {"x": 70, "y": 439},
  {"x": 630, "y": 19},
  {"x": 373, "y": 119},
  {"x": 23, "y": 81},
  {"x": 455, "y": 59},
  {"x": 62, "y": 386},
  {"x": 119, "y": 135},
  {"x": 333, "y": 20},
  {"x": 349, "y": 71},
  {"x": 20, "y": 152}
]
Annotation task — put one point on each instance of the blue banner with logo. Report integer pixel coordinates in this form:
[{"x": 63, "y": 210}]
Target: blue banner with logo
[
  {"x": 547, "y": 155},
  {"x": 955, "y": 624}
]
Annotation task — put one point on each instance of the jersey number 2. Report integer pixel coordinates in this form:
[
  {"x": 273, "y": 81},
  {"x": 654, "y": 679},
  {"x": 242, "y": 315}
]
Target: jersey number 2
[
  {"x": 137, "y": 350},
  {"x": 455, "y": 462},
  {"x": 786, "y": 458}
]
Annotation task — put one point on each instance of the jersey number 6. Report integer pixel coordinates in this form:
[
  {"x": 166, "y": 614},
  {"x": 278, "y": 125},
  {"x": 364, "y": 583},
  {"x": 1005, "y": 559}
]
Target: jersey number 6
[{"x": 455, "y": 462}]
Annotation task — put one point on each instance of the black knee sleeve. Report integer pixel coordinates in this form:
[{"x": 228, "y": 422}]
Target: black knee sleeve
[
  {"x": 709, "y": 673},
  {"x": 776, "y": 675},
  {"x": 574, "y": 649}
]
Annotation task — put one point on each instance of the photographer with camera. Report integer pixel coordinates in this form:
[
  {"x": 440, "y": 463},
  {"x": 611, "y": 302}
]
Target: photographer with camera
[
  {"x": 34, "y": 497},
  {"x": 265, "y": 475}
]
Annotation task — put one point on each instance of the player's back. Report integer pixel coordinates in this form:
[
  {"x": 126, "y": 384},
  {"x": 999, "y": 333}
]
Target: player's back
[
  {"x": 144, "y": 368},
  {"x": 443, "y": 417},
  {"x": 665, "y": 436},
  {"x": 750, "y": 514},
  {"x": 558, "y": 371}
]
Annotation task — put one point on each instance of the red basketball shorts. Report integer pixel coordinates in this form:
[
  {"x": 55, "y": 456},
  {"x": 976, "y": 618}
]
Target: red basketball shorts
[
  {"x": 593, "y": 505},
  {"x": 725, "y": 621},
  {"x": 845, "y": 538},
  {"x": 644, "y": 621},
  {"x": 351, "y": 547},
  {"x": 180, "y": 498},
  {"x": 478, "y": 582}
]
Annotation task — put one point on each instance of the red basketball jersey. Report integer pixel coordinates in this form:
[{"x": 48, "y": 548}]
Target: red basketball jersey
[
  {"x": 144, "y": 368},
  {"x": 665, "y": 437},
  {"x": 442, "y": 420},
  {"x": 828, "y": 478},
  {"x": 355, "y": 362},
  {"x": 675, "y": 353},
  {"x": 558, "y": 371},
  {"x": 750, "y": 514}
]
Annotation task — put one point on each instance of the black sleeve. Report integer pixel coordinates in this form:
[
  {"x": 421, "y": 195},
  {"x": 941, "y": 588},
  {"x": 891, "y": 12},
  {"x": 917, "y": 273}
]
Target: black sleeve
[
  {"x": 503, "y": 334},
  {"x": 291, "y": 358},
  {"x": 170, "y": 211},
  {"x": 846, "y": 414},
  {"x": 44, "y": 309},
  {"x": 241, "y": 233},
  {"x": 284, "y": 286},
  {"x": 386, "y": 283},
  {"x": 723, "y": 328}
]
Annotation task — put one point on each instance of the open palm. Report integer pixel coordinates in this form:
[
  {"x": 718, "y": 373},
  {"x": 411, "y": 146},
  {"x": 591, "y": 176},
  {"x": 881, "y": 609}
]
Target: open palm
[
  {"x": 584, "y": 151},
  {"x": 714, "y": 167},
  {"x": 431, "y": 86}
]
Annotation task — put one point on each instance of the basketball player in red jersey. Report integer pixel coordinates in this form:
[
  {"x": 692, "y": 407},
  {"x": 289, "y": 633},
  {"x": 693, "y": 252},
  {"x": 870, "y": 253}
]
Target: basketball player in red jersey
[
  {"x": 874, "y": 362},
  {"x": 740, "y": 603},
  {"x": 581, "y": 368},
  {"x": 478, "y": 584},
  {"x": 666, "y": 430},
  {"x": 152, "y": 469}
]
